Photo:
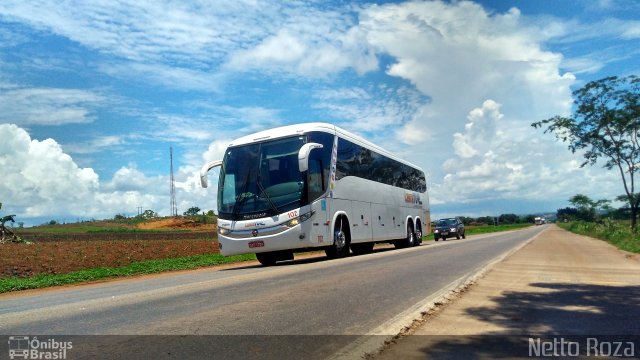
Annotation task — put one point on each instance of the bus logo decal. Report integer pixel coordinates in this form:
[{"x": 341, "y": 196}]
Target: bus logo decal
[{"x": 412, "y": 198}]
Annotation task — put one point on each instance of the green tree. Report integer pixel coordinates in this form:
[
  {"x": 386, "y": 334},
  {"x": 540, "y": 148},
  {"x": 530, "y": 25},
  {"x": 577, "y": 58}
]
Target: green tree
[
  {"x": 585, "y": 206},
  {"x": 604, "y": 206},
  {"x": 605, "y": 126},
  {"x": 192, "y": 211},
  {"x": 467, "y": 220},
  {"x": 148, "y": 214},
  {"x": 508, "y": 218},
  {"x": 489, "y": 220},
  {"x": 567, "y": 214},
  {"x": 6, "y": 219}
]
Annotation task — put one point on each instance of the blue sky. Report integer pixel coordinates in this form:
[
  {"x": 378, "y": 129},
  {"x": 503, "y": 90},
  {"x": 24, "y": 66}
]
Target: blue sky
[{"x": 92, "y": 94}]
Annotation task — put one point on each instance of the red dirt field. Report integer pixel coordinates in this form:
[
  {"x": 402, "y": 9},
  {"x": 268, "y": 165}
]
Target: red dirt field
[{"x": 59, "y": 257}]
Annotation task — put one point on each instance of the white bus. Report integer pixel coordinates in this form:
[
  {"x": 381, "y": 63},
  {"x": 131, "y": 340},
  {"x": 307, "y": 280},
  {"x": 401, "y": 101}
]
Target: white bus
[{"x": 315, "y": 186}]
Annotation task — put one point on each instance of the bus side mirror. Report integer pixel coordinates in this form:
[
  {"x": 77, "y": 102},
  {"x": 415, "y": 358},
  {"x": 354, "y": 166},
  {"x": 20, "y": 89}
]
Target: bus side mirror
[
  {"x": 205, "y": 169},
  {"x": 303, "y": 155}
]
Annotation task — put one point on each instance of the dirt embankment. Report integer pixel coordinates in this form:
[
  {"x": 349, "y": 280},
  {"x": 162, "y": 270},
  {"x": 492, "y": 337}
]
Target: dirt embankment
[{"x": 176, "y": 223}]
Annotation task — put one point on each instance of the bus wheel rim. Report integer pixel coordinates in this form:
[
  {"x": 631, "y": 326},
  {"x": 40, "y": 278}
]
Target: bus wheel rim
[{"x": 340, "y": 239}]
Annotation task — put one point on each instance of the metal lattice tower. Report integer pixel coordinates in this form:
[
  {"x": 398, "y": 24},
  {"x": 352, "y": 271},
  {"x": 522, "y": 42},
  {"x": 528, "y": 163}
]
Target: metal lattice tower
[{"x": 174, "y": 207}]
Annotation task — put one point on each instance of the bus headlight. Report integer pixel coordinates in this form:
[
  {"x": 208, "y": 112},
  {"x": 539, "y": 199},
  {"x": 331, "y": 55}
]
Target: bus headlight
[
  {"x": 293, "y": 222},
  {"x": 223, "y": 231},
  {"x": 296, "y": 221}
]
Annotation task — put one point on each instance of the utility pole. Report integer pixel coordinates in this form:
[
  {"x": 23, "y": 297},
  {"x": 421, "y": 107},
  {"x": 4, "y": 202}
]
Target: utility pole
[{"x": 174, "y": 207}]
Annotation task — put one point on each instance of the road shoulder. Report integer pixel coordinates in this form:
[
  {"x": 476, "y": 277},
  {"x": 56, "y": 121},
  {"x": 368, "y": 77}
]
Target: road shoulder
[{"x": 560, "y": 283}]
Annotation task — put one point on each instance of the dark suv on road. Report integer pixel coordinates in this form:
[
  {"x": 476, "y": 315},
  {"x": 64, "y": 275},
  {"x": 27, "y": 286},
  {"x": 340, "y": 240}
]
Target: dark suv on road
[{"x": 449, "y": 227}]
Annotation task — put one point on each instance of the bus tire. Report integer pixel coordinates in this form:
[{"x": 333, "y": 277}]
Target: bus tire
[
  {"x": 340, "y": 247},
  {"x": 418, "y": 233},
  {"x": 408, "y": 241},
  {"x": 266, "y": 259},
  {"x": 363, "y": 248}
]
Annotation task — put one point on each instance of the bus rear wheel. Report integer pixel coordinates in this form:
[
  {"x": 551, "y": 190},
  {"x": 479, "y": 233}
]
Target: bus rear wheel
[
  {"x": 418, "y": 234},
  {"x": 266, "y": 259},
  {"x": 408, "y": 241}
]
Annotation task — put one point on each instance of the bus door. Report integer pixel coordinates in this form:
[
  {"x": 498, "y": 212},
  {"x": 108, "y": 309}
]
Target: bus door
[{"x": 320, "y": 205}]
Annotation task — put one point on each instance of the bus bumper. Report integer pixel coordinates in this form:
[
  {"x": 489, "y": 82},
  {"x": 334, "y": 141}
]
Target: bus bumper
[{"x": 297, "y": 237}]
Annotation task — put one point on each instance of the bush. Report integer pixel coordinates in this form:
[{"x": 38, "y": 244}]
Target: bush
[{"x": 617, "y": 233}]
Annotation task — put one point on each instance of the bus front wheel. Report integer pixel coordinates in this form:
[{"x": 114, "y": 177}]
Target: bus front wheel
[
  {"x": 340, "y": 247},
  {"x": 266, "y": 259}
]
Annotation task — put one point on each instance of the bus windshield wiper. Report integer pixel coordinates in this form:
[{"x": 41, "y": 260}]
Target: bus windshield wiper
[
  {"x": 240, "y": 201},
  {"x": 263, "y": 191}
]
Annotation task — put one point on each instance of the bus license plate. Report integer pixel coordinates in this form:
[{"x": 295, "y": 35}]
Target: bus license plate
[{"x": 256, "y": 244}]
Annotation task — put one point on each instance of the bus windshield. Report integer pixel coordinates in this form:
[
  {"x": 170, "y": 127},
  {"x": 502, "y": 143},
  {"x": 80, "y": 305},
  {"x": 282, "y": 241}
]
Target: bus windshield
[{"x": 261, "y": 179}]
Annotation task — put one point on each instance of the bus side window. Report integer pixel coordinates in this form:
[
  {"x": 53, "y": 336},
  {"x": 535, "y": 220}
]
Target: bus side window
[{"x": 316, "y": 183}]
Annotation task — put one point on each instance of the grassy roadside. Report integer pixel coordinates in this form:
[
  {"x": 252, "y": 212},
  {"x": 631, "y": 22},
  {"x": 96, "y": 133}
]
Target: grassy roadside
[
  {"x": 614, "y": 232},
  {"x": 137, "y": 268},
  {"x": 163, "y": 265}
]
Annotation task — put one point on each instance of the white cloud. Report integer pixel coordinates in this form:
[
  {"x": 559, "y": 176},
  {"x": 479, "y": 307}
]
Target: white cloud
[
  {"x": 414, "y": 132},
  {"x": 310, "y": 52},
  {"x": 149, "y": 32},
  {"x": 445, "y": 60},
  {"x": 583, "y": 65},
  {"x": 39, "y": 178},
  {"x": 100, "y": 143},
  {"x": 575, "y": 31},
  {"x": 370, "y": 109},
  {"x": 482, "y": 126},
  {"x": 130, "y": 179},
  {"x": 41, "y": 181},
  {"x": 498, "y": 157},
  {"x": 174, "y": 77},
  {"x": 459, "y": 55},
  {"x": 632, "y": 31},
  {"x": 184, "y": 44},
  {"x": 47, "y": 106},
  {"x": 213, "y": 122},
  {"x": 216, "y": 150}
]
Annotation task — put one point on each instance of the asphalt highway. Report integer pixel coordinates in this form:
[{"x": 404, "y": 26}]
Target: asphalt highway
[{"x": 309, "y": 297}]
